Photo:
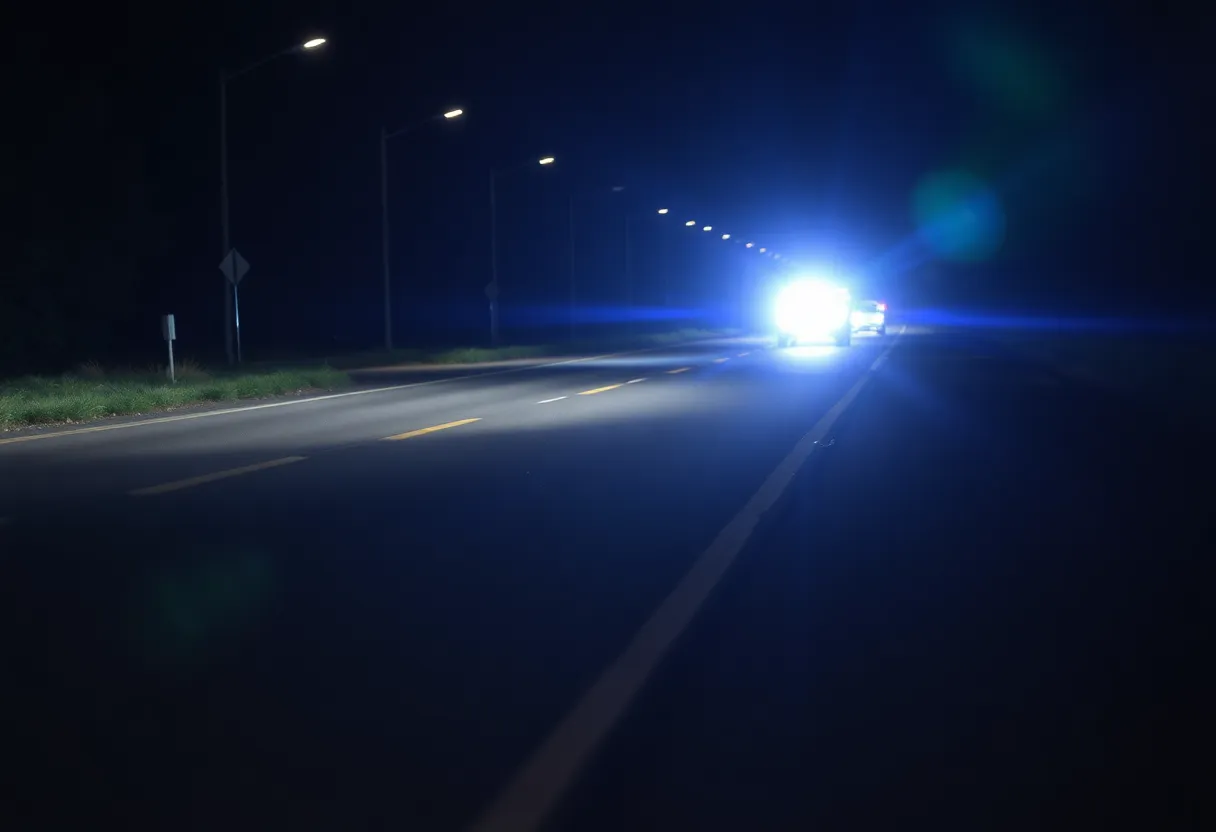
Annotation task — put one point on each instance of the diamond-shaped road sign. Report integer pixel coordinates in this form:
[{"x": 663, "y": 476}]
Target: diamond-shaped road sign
[{"x": 234, "y": 266}]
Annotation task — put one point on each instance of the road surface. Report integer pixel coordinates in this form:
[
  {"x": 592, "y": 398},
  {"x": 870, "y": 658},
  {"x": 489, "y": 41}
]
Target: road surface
[{"x": 715, "y": 586}]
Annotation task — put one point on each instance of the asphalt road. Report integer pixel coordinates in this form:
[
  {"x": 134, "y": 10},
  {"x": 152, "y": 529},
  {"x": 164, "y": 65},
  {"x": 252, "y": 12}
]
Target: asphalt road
[{"x": 372, "y": 611}]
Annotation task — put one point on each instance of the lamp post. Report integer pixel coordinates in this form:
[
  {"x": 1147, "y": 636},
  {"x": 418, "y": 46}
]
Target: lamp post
[
  {"x": 225, "y": 78},
  {"x": 385, "y": 135},
  {"x": 492, "y": 289}
]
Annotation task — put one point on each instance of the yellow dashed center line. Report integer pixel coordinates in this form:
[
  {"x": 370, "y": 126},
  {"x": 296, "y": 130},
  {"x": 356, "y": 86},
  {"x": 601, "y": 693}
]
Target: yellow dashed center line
[
  {"x": 410, "y": 434},
  {"x": 600, "y": 390},
  {"x": 720, "y": 360},
  {"x": 190, "y": 482},
  {"x": 680, "y": 370}
]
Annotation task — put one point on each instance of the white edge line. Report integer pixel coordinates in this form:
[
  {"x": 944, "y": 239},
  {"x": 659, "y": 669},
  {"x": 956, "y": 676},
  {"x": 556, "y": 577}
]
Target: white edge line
[
  {"x": 635, "y": 380},
  {"x": 557, "y": 399},
  {"x": 536, "y": 788},
  {"x": 160, "y": 420}
]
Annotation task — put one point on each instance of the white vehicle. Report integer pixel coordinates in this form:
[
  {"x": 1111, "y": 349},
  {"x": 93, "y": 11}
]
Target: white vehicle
[
  {"x": 870, "y": 316},
  {"x": 813, "y": 310}
]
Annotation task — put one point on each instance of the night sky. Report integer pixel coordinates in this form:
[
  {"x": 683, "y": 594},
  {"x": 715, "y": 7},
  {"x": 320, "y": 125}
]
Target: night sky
[{"x": 944, "y": 154}]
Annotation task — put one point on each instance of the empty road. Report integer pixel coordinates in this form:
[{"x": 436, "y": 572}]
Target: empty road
[{"x": 716, "y": 585}]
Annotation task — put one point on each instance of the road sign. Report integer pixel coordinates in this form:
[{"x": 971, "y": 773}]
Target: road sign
[
  {"x": 492, "y": 291},
  {"x": 234, "y": 266}
]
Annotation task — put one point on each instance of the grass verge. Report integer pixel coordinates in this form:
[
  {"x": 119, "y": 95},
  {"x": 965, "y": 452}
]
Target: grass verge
[{"x": 94, "y": 393}]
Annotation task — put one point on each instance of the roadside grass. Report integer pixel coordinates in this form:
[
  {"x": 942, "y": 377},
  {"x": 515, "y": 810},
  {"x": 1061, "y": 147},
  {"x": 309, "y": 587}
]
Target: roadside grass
[{"x": 94, "y": 392}]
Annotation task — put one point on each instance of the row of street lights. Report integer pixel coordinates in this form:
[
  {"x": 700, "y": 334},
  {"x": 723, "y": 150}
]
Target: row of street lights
[{"x": 232, "y": 325}]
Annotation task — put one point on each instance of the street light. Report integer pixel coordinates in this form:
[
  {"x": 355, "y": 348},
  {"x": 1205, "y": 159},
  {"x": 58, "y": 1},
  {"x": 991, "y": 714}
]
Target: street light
[
  {"x": 748, "y": 245},
  {"x": 708, "y": 228},
  {"x": 230, "y": 324},
  {"x": 385, "y": 135},
  {"x": 691, "y": 223},
  {"x": 662, "y": 210},
  {"x": 492, "y": 289},
  {"x": 725, "y": 236}
]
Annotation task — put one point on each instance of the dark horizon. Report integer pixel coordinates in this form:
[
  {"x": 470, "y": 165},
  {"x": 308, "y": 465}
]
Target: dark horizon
[{"x": 851, "y": 136}]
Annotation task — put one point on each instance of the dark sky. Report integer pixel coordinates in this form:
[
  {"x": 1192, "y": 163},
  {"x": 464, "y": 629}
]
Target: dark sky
[{"x": 944, "y": 152}]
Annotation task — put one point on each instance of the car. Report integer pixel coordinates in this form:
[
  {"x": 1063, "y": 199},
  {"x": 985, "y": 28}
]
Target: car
[
  {"x": 813, "y": 310},
  {"x": 870, "y": 316}
]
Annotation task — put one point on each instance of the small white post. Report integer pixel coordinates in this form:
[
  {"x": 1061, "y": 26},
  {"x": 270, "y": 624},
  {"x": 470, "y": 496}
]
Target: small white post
[{"x": 169, "y": 330}]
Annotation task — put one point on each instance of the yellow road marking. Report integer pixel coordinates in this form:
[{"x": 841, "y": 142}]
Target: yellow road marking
[
  {"x": 680, "y": 370},
  {"x": 720, "y": 360},
  {"x": 190, "y": 482},
  {"x": 410, "y": 434},
  {"x": 600, "y": 390}
]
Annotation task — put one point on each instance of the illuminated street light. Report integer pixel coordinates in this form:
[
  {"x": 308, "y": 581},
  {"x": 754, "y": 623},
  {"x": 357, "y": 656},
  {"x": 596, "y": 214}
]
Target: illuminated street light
[
  {"x": 662, "y": 210},
  {"x": 232, "y": 321},
  {"x": 708, "y": 228},
  {"x": 492, "y": 289},
  {"x": 725, "y": 236},
  {"x": 763, "y": 249},
  {"x": 748, "y": 245},
  {"x": 691, "y": 223},
  {"x": 385, "y": 135}
]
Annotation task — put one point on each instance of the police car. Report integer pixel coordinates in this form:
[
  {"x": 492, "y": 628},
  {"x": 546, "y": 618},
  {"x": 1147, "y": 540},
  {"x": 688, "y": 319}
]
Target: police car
[
  {"x": 813, "y": 310},
  {"x": 870, "y": 316}
]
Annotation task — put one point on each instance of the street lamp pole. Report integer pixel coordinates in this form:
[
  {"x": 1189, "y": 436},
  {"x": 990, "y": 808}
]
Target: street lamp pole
[
  {"x": 388, "y": 294},
  {"x": 628, "y": 276},
  {"x": 225, "y": 229},
  {"x": 493, "y": 289},
  {"x": 573, "y": 271},
  {"x": 384, "y": 225}
]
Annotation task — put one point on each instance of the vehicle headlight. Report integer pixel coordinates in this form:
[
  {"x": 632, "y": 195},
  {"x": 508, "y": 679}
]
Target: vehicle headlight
[{"x": 812, "y": 307}]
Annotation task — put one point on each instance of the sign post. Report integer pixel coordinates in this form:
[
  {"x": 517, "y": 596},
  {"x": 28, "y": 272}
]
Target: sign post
[
  {"x": 234, "y": 267},
  {"x": 168, "y": 329}
]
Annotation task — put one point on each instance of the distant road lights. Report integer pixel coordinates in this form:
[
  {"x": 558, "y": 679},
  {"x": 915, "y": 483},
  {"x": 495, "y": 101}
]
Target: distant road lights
[
  {"x": 691, "y": 223},
  {"x": 453, "y": 113},
  {"x": 763, "y": 249},
  {"x": 662, "y": 210},
  {"x": 725, "y": 236},
  {"x": 546, "y": 160},
  {"x": 314, "y": 43},
  {"x": 708, "y": 228},
  {"x": 748, "y": 245}
]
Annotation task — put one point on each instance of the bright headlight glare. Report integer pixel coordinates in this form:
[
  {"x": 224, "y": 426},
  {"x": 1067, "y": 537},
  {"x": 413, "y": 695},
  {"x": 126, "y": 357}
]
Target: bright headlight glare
[{"x": 812, "y": 307}]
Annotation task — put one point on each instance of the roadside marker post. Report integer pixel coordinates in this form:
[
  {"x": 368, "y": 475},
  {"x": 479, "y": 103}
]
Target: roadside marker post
[{"x": 168, "y": 329}]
